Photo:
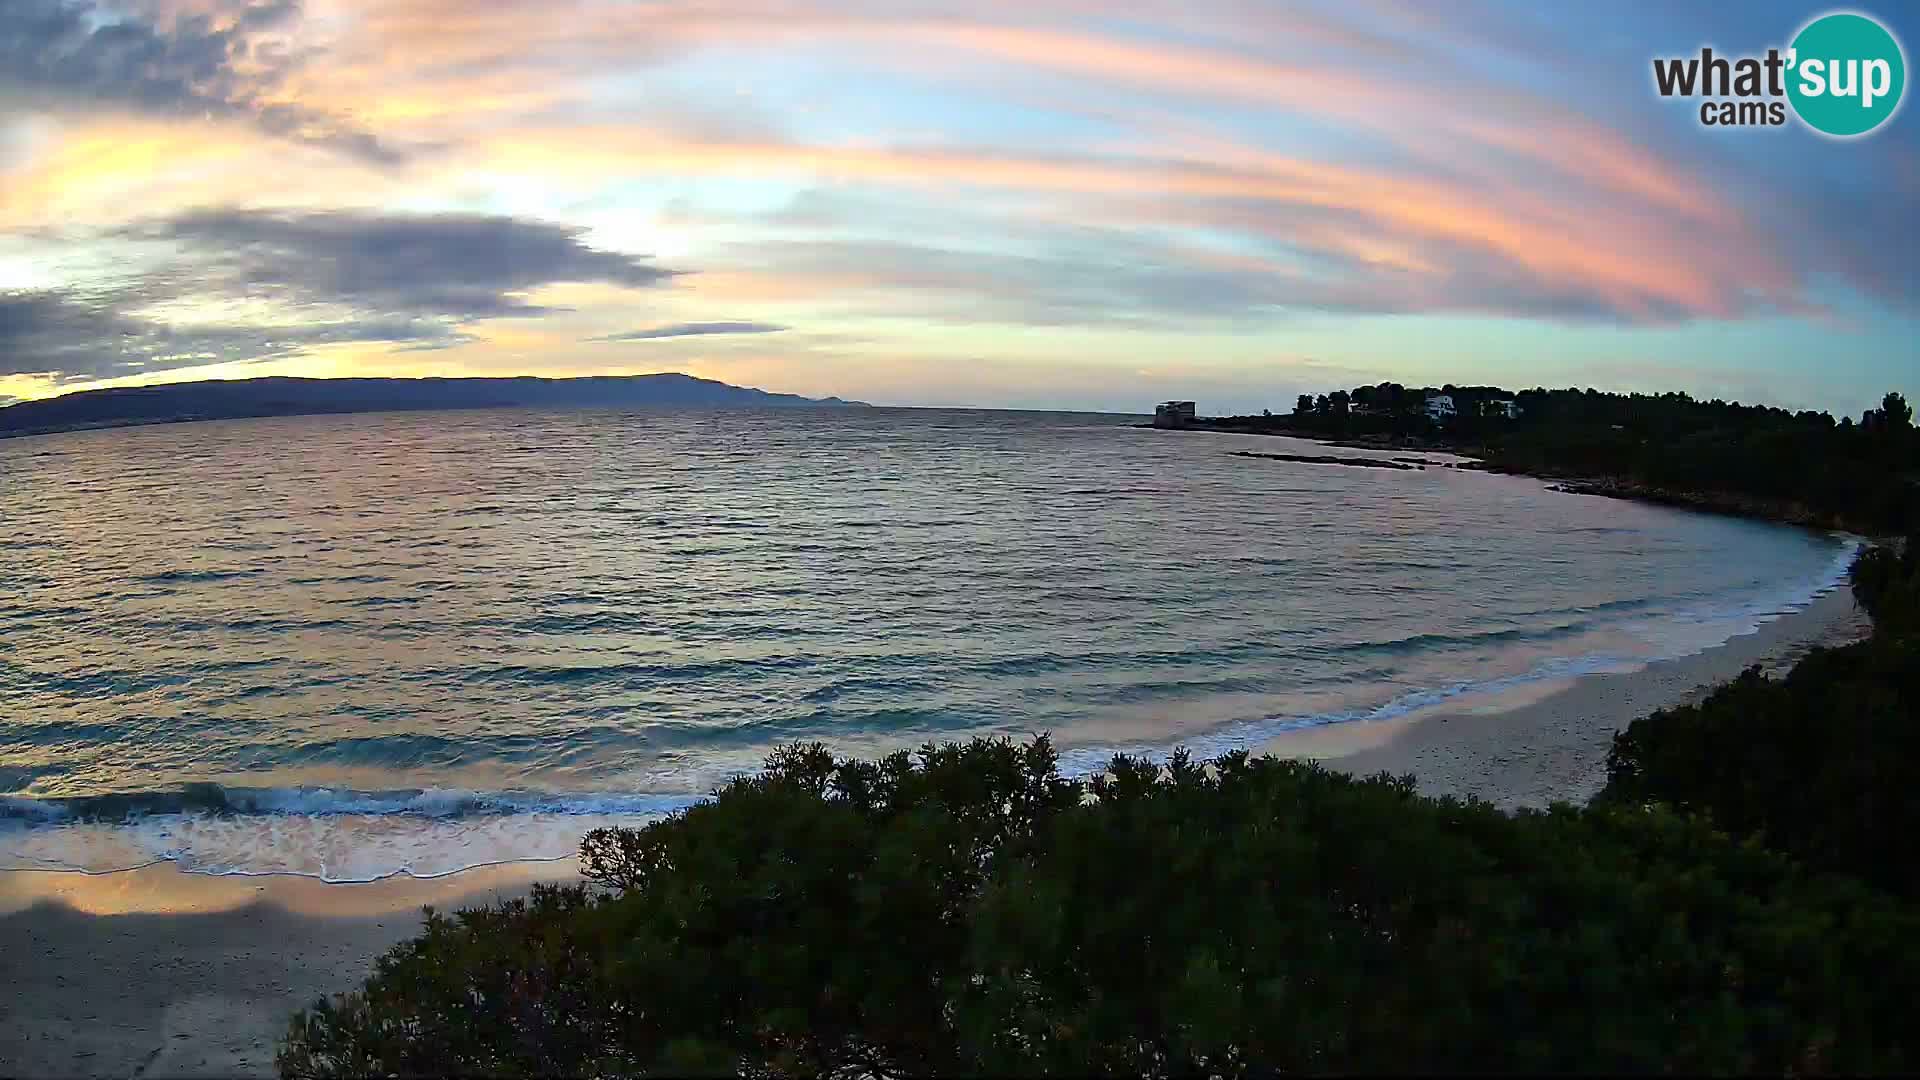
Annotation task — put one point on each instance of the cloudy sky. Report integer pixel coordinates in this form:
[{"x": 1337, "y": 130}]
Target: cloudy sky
[{"x": 1049, "y": 203}]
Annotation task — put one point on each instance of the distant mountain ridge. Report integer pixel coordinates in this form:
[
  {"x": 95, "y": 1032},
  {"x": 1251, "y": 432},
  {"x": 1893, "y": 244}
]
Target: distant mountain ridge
[{"x": 284, "y": 396}]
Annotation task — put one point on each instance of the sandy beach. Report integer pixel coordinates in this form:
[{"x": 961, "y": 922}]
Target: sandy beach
[
  {"x": 157, "y": 973},
  {"x": 153, "y": 972},
  {"x": 1552, "y": 745}
]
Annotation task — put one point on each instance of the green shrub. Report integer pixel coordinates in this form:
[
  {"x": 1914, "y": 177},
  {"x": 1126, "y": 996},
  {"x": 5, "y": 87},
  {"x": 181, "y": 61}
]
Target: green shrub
[
  {"x": 1886, "y": 581},
  {"x": 967, "y": 910},
  {"x": 1823, "y": 764}
]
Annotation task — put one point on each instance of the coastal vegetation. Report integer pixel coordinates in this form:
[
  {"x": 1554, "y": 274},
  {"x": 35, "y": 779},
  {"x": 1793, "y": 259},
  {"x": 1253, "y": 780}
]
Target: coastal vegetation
[
  {"x": 1803, "y": 466},
  {"x": 1823, "y": 764}
]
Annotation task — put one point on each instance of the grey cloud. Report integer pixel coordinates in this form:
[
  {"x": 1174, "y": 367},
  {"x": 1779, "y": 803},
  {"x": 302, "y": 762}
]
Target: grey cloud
[
  {"x": 49, "y": 332},
  {"x": 465, "y": 266},
  {"x": 73, "y": 52},
  {"x": 407, "y": 280},
  {"x": 74, "y": 335},
  {"x": 694, "y": 329},
  {"x": 267, "y": 14},
  {"x": 1079, "y": 277}
]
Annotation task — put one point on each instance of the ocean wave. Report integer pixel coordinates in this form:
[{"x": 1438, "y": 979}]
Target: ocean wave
[
  {"x": 1247, "y": 734},
  {"x": 1702, "y": 625},
  {"x": 663, "y": 673},
  {"x": 1727, "y": 619},
  {"x": 232, "y": 801},
  {"x": 173, "y": 577},
  {"x": 329, "y": 834},
  {"x": 341, "y": 835}
]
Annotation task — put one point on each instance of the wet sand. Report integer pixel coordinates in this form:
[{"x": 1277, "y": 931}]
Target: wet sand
[
  {"x": 1553, "y": 747},
  {"x": 156, "y": 973}
]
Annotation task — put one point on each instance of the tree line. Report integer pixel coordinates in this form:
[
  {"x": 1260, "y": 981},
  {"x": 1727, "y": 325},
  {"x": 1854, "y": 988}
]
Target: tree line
[{"x": 1802, "y": 465}]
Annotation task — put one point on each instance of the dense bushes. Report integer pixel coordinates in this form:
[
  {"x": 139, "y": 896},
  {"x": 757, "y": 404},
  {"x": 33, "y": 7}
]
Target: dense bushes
[
  {"x": 1823, "y": 764},
  {"x": 970, "y": 911},
  {"x": 1887, "y": 583}
]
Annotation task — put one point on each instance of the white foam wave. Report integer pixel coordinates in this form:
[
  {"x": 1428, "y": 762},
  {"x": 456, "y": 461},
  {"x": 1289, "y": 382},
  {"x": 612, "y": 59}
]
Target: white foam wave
[
  {"x": 327, "y": 835},
  {"x": 1674, "y": 634}
]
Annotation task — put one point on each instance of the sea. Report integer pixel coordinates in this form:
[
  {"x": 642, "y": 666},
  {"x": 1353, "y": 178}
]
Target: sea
[{"x": 350, "y": 647}]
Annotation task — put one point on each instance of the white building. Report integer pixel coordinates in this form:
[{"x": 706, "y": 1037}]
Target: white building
[
  {"x": 1440, "y": 406},
  {"x": 1507, "y": 407},
  {"x": 1173, "y": 414}
]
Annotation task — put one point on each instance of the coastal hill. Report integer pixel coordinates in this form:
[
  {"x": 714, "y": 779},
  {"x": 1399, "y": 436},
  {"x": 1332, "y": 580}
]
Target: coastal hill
[{"x": 234, "y": 399}]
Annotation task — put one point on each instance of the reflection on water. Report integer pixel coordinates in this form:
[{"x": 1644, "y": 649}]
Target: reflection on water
[
  {"x": 162, "y": 890},
  {"x": 431, "y": 640}
]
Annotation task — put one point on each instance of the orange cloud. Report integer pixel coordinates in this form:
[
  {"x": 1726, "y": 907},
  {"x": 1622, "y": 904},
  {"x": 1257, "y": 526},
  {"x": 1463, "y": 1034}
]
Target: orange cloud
[
  {"x": 1616, "y": 252},
  {"x": 111, "y": 169},
  {"x": 413, "y": 59}
]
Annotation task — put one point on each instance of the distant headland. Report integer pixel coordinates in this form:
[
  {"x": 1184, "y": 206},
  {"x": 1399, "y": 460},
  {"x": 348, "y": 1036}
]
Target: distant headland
[
  {"x": 1802, "y": 466},
  {"x": 241, "y": 398}
]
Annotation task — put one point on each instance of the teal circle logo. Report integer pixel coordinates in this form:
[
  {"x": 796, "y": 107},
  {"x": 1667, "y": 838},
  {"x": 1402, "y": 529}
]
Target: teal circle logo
[{"x": 1846, "y": 74}]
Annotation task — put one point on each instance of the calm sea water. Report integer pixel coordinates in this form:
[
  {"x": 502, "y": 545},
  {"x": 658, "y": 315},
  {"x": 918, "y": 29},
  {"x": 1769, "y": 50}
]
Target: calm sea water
[{"x": 351, "y": 646}]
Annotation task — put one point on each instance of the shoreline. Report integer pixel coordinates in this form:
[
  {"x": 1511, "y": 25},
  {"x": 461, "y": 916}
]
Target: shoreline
[
  {"x": 1474, "y": 459},
  {"x": 1552, "y": 745}
]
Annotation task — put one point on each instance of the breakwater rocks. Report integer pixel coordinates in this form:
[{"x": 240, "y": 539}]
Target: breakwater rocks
[
  {"x": 1311, "y": 459},
  {"x": 1718, "y": 502}
]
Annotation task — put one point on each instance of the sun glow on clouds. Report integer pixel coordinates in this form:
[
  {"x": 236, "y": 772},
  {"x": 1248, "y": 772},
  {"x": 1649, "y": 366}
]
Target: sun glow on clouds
[{"x": 1236, "y": 200}]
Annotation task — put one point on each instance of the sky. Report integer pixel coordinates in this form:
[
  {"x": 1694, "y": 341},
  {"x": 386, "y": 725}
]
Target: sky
[{"x": 1041, "y": 204}]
